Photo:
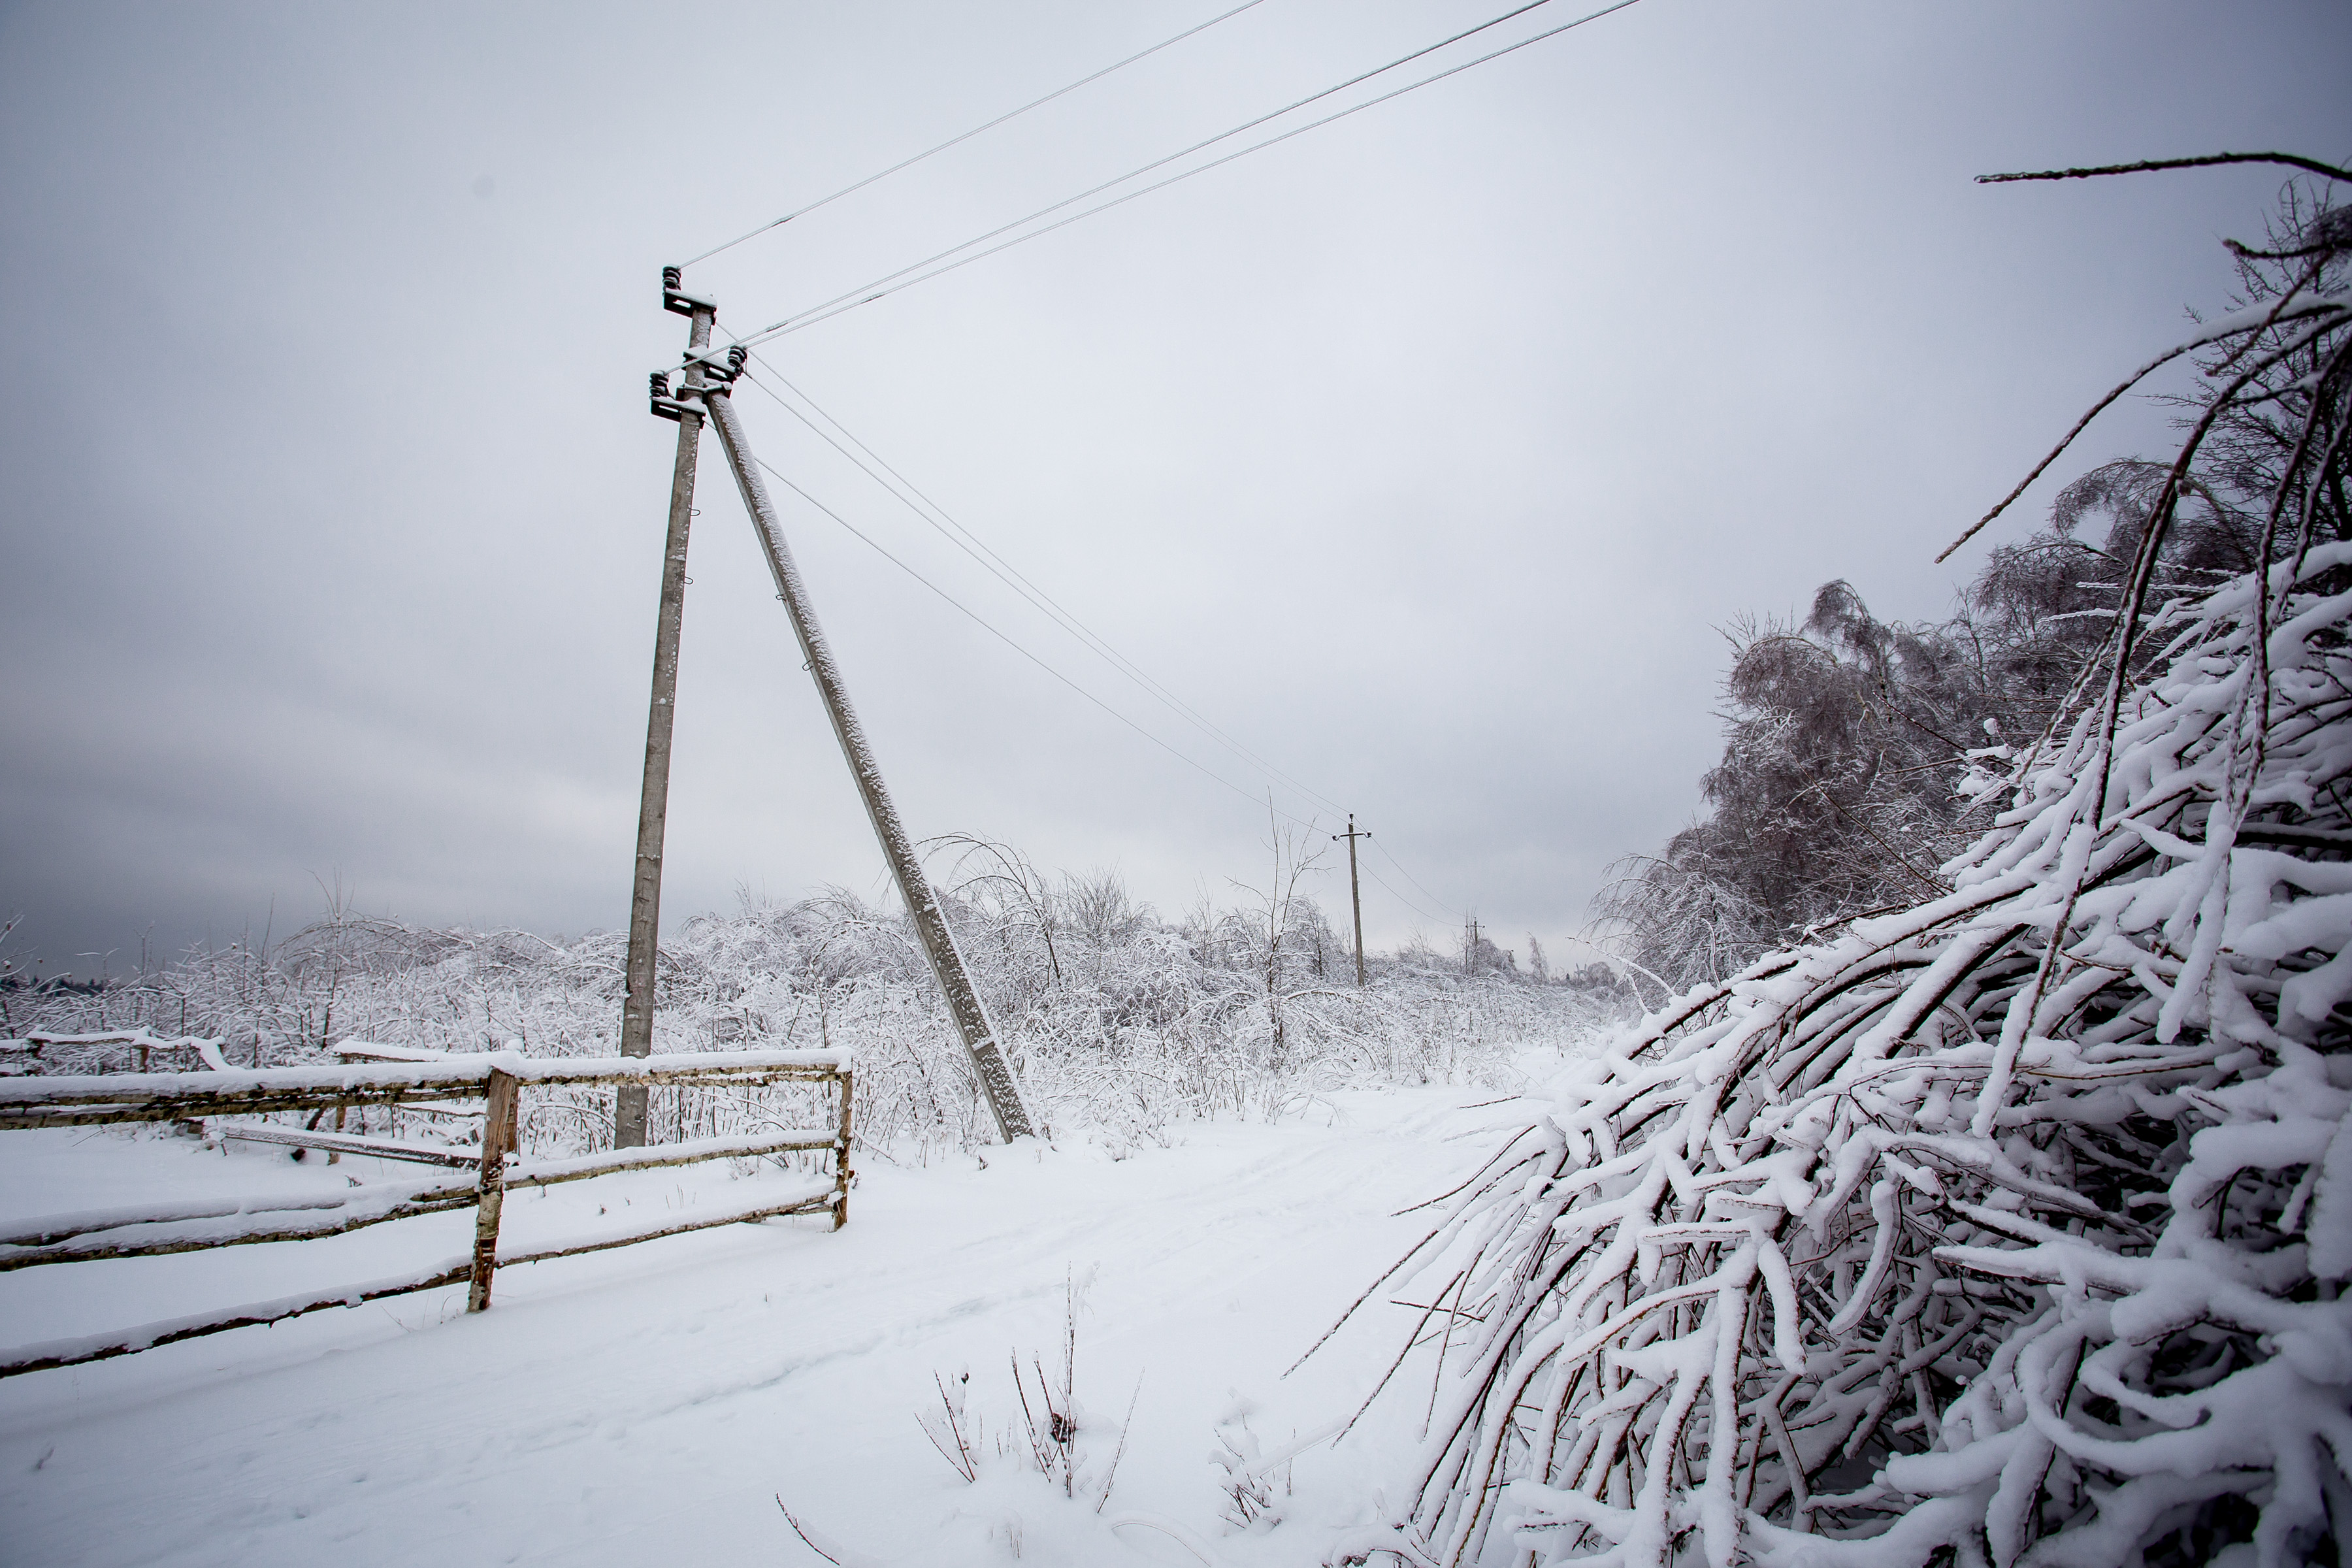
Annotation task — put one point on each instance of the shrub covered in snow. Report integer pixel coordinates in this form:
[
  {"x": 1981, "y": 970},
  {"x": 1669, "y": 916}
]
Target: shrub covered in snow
[
  {"x": 1833, "y": 797},
  {"x": 1120, "y": 1023},
  {"x": 2012, "y": 1226}
]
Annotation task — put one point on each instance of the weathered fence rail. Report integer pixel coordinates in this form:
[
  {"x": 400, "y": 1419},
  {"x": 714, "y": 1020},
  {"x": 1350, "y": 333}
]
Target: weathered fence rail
[
  {"x": 498, "y": 1079},
  {"x": 26, "y": 1055}
]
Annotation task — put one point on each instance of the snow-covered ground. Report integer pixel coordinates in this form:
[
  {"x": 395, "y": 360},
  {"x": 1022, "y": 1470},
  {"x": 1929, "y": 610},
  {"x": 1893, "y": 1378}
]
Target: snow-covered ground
[{"x": 649, "y": 1404}]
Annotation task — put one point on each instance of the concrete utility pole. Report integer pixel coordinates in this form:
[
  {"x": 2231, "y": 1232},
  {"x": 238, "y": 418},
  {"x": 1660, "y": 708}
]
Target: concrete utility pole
[
  {"x": 972, "y": 1020},
  {"x": 653, "y": 799},
  {"x": 1355, "y": 892},
  {"x": 1470, "y": 947}
]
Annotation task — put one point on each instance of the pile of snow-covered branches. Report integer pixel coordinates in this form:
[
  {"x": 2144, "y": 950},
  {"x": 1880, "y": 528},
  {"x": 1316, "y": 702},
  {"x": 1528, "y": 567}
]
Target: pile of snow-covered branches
[{"x": 2012, "y": 1227}]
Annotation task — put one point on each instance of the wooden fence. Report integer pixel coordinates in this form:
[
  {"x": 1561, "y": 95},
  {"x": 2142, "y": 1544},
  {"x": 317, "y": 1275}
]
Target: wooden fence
[
  {"x": 498, "y": 1081},
  {"x": 26, "y": 1056}
]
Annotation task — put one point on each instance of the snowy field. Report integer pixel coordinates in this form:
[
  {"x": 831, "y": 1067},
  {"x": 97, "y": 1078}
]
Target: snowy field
[{"x": 648, "y": 1403}]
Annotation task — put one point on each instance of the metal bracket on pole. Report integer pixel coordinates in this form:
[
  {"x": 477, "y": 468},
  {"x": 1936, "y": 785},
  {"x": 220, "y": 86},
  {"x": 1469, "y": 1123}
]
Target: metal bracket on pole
[
  {"x": 717, "y": 367},
  {"x": 665, "y": 407},
  {"x": 718, "y": 364},
  {"x": 676, "y": 301}
]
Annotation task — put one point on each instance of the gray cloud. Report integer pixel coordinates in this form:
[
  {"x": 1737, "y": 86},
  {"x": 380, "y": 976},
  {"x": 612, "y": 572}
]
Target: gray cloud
[{"x": 1421, "y": 453}]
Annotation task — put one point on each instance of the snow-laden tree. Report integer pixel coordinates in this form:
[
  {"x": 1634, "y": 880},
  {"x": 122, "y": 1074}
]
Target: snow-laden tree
[
  {"x": 2011, "y": 1226},
  {"x": 1833, "y": 796},
  {"x": 1120, "y": 1024}
]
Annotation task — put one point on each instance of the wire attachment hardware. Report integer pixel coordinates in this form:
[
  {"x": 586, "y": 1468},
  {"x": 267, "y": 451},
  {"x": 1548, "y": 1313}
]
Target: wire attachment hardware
[
  {"x": 719, "y": 366},
  {"x": 665, "y": 406},
  {"x": 676, "y": 301}
]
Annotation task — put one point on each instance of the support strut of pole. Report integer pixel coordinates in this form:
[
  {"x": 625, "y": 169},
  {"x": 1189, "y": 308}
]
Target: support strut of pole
[
  {"x": 653, "y": 802},
  {"x": 972, "y": 1020}
]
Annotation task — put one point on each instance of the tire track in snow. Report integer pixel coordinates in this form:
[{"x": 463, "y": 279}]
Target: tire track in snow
[{"x": 629, "y": 1382}]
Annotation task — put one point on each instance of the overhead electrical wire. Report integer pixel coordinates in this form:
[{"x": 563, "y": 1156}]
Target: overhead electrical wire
[
  {"x": 892, "y": 282},
  {"x": 871, "y": 542},
  {"x": 957, "y": 141},
  {"x": 971, "y": 544},
  {"x": 1175, "y": 704},
  {"x": 1409, "y": 877},
  {"x": 1155, "y": 164},
  {"x": 981, "y": 621},
  {"x": 908, "y": 277},
  {"x": 1400, "y": 897}
]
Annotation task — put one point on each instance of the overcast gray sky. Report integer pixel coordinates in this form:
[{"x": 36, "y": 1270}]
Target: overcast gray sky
[{"x": 1423, "y": 453}]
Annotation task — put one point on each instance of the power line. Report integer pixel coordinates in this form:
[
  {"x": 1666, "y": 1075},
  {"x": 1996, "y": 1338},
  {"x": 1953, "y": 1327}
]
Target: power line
[
  {"x": 812, "y": 314},
  {"x": 1409, "y": 877},
  {"x": 983, "y": 622},
  {"x": 955, "y": 141},
  {"x": 891, "y": 283},
  {"x": 971, "y": 544},
  {"x": 1400, "y": 897},
  {"x": 879, "y": 549}
]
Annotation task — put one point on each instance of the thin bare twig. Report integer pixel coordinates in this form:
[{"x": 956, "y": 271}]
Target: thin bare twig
[
  {"x": 1110, "y": 1475},
  {"x": 2309, "y": 166},
  {"x": 803, "y": 1534}
]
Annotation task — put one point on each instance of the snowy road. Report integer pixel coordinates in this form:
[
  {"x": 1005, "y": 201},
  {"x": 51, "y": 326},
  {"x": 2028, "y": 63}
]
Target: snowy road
[{"x": 644, "y": 1406}]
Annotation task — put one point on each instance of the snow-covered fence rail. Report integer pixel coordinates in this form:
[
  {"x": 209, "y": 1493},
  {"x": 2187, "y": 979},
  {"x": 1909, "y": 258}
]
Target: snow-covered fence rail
[
  {"x": 34, "y": 1050},
  {"x": 496, "y": 1079}
]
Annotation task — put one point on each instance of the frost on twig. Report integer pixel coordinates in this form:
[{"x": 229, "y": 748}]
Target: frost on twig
[{"x": 958, "y": 1436}]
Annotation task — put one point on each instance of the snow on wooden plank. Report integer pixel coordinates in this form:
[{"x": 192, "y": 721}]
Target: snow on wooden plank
[
  {"x": 348, "y": 1143},
  {"x": 807, "y": 1199},
  {"x": 100, "y": 1347},
  {"x": 46, "y": 1229},
  {"x": 547, "y": 1173},
  {"x": 685, "y": 1066},
  {"x": 139, "y": 1037},
  {"x": 20, "y": 1054},
  {"x": 363, "y": 1051},
  {"x": 448, "y": 1078},
  {"x": 598, "y": 1070},
  {"x": 360, "y": 1207},
  {"x": 130, "y": 1097}
]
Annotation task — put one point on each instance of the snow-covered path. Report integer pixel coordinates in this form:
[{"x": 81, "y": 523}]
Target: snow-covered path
[{"x": 646, "y": 1404}]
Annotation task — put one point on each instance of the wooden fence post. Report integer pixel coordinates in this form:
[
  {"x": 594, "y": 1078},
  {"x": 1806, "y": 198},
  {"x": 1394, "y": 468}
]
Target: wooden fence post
[
  {"x": 841, "y": 1156},
  {"x": 497, "y": 1140}
]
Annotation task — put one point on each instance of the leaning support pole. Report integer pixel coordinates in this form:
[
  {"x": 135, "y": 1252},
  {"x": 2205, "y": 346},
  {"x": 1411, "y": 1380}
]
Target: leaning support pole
[
  {"x": 653, "y": 801},
  {"x": 971, "y": 1018}
]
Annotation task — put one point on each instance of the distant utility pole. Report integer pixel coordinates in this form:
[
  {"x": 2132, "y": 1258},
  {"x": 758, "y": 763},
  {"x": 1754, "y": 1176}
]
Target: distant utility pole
[
  {"x": 653, "y": 800},
  {"x": 1470, "y": 946},
  {"x": 971, "y": 1015},
  {"x": 1356, "y": 892}
]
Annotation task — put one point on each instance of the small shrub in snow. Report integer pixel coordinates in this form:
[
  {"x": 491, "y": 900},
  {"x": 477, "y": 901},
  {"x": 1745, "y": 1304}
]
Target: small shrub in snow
[
  {"x": 959, "y": 1433},
  {"x": 1052, "y": 1422},
  {"x": 1251, "y": 1487}
]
